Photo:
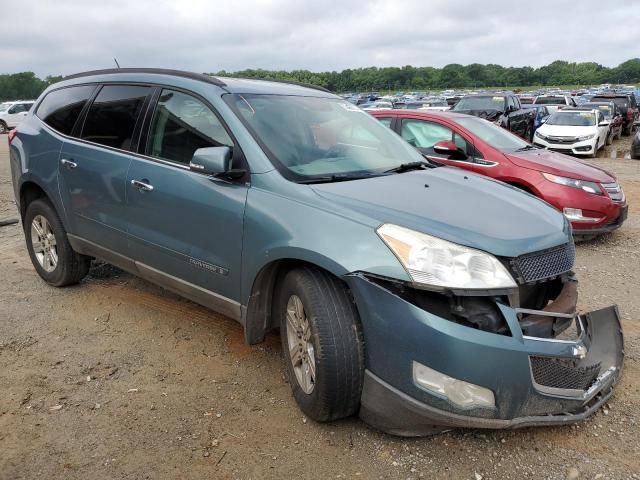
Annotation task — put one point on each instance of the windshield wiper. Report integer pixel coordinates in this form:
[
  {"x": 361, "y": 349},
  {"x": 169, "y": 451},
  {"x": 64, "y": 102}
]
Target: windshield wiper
[
  {"x": 526, "y": 147},
  {"x": 405, "y": 167},
  {"x": 338, "y": 177}
]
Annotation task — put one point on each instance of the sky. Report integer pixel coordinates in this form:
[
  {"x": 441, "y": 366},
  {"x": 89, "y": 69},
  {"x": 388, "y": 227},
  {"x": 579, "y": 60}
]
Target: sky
[{"x": 60, "y": 37}]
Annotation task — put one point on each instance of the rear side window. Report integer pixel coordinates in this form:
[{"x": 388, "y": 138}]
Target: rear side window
[
  {"x": 181, "y": 125},
  {"x": 113, "y": 115},
  {"x": 60, "y": 109},
  {"x": 385, "y": 121}
]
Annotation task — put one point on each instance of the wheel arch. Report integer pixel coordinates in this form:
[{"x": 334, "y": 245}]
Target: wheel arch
[
  {"x": 257, "y": 311},
  {"x": 30, "y": 191}
]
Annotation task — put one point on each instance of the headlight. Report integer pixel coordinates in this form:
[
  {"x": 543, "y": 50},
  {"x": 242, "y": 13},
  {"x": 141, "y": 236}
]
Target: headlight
[
  {"x": 589, "y": 187},
  {"x": 436, "y": 262},
  {"x": 462, "y": 394},
  {"x": 539, "y": 135},
  {"x": 585, "y": 137}
]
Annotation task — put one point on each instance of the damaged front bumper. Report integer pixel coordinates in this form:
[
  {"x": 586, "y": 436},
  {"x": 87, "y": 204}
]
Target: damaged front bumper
[{"x": 535, "y": 381}]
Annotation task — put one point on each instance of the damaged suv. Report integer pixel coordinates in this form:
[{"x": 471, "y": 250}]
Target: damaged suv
[{"x": 421, "y": 298}]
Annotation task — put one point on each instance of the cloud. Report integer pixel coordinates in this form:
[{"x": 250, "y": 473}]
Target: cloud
[{"x": 68, "y": 36}]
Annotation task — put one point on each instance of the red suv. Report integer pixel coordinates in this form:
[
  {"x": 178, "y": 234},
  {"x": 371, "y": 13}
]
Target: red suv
[{"x": 589, "y": 196}]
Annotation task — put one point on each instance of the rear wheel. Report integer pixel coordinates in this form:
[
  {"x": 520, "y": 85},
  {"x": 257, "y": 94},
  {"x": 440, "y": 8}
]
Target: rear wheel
[
  {"x": 3, "y": 127},
  {"x": 628, "y": 129},
  {"x": 322, "y": 343},
  {"x": 51, "y": 254}
]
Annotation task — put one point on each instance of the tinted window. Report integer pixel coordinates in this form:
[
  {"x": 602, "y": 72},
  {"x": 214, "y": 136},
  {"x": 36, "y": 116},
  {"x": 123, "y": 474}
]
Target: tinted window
[
  {"x": 181, "y": 125},
  {"x": 60, "y": 108},
  {"x": 113, "y": 115},
  {"x": 550, "y": 101},
  {"x": 19, "y": 108}
]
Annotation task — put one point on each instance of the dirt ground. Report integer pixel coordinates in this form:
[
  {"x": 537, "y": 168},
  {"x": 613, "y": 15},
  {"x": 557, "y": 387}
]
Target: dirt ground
[{"x": 118, "y": 379}]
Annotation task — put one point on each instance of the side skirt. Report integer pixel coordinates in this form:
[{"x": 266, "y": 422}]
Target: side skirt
[{"x": 195, "y": 293}]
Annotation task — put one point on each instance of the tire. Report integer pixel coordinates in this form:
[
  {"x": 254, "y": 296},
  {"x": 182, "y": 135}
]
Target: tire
[
  {"x": 325, "y": 329},
  {"x": 628, "y": 129},
  {"x": 528, "y": 133},
  {"x": 609, "y": 139},
  {"x": 70, "y": 267},
  {"x": 3, "y": 128}
]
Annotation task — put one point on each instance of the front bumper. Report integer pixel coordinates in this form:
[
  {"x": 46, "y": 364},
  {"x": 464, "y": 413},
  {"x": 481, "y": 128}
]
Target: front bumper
[
  {"x": 585, "y": 147},
  {"x": 397, "y": 333}
]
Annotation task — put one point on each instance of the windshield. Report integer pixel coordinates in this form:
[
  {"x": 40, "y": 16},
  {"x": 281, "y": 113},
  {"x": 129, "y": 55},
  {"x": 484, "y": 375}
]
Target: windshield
[
  {"x": 574, "y": 119},
  {"x": 550, "y": 101},
  {"x": 495, "y": 136},
  {"x": 480, "y": 103},
  {"x": 308, "y": 137}
]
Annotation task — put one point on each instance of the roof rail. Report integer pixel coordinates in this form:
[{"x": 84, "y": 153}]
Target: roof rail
[
  {"x": 292, "y": 82},
  {"x": 163, "y": 71}
]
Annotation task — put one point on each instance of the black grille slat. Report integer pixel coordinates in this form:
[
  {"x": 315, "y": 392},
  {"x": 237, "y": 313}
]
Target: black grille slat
[
  {"x": 545, "y": 263},
  {"x": 550, "y": 372}
]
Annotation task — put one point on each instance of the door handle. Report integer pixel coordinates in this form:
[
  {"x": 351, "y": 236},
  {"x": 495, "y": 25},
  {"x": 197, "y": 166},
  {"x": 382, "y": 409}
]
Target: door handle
[
  {"x": 142, "y": 186},
  {"x": 68, "y": 163}
]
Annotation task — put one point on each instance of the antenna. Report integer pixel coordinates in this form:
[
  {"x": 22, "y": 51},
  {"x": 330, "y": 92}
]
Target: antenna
[{"x": 117, "y": 64}]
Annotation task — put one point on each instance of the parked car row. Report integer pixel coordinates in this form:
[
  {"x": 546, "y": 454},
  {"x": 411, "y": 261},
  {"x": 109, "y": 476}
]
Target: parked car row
[
  {"x": 401, "y": 289},
  {"x": 589, "y": 196}
]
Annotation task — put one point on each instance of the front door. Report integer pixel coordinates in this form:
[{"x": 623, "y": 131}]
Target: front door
[
  {"x": 424, "y": 134},
  {"x": 185, "y": 228},
  {"x": 93, "y": 169}
]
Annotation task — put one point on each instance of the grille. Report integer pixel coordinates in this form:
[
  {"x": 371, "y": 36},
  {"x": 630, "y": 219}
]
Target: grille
[
  {"x": 562, "y": 140},
  {"x": 545, "y": 263},
  {"x": 615, "y": 191},
  {"x": 554, "y": 373}
]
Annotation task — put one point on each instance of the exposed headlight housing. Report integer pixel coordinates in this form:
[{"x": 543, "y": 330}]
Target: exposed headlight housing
[
  {"x": 586, "y": 137},
  {"x": 438, "y": 263},
  {"x": 589, "y": 187},
  {"x": 462, "y": 394}
]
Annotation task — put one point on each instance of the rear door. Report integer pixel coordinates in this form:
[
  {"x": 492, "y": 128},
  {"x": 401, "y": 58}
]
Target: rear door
[
  {"x": 93, "y": 168},
  {"x": 185, "y": 227}
]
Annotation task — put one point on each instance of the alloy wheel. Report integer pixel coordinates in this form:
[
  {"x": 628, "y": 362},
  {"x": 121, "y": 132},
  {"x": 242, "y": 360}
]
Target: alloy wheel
[
  {"x": 44, "y": 243},
  {"x": 301, "y": 350}
]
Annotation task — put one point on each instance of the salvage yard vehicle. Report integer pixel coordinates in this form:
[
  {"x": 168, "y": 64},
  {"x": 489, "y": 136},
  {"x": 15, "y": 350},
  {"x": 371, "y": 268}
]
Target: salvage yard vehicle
[
  {"x": 613, "y": 115},
  {"x": 627, "y": 105},
  {"x": 421, "y": 298},
  {"x": 635, "y": 146},
  {"x": 574, "y": 130},
  {"x": 502, "y": 109},
  {"x": 555, "y": 102},
  {"x": 12, "y": 113},
  {"x": 541, "y": 114},
  {"x": 589, "y": 196}
]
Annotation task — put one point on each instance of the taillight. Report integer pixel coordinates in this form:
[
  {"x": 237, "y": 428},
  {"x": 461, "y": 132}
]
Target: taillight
[{"x": 12, "y": 135}]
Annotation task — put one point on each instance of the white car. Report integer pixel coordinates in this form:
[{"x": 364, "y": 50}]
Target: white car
[
  {"x": 12, "y": 113},
  {"x": 580, "y": 131}
]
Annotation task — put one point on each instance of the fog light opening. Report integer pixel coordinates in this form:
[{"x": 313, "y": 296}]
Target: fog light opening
[
  {"x": 575, "y": 215},
  {"x": 462, "y": 394}
]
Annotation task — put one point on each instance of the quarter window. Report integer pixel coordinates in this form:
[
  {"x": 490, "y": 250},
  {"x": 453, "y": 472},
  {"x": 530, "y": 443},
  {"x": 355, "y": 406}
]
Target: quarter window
[
  {"x": 113, "y": 115},
  {"x": 181, "y": 125},
  {"x": 385, "y": 121},
  {"x": 60, "y": 109}
]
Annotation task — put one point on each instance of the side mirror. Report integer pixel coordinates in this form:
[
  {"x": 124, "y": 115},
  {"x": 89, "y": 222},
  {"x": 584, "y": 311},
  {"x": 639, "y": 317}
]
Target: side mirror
[
  {"x": 211, "y": 160},
  {"x": 447, "y": 147},
  {"x": 543, "y": 119}
]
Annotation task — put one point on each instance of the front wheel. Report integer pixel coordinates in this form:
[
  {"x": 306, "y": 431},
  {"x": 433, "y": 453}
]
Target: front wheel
[
  {"x": 51, "y": 254},
  {"x": 3, "y": 127},
  {"x": 322, "y": 343}
]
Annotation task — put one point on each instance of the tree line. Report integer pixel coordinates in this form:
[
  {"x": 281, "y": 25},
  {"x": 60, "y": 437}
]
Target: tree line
[{"x": 27, "y": 85}]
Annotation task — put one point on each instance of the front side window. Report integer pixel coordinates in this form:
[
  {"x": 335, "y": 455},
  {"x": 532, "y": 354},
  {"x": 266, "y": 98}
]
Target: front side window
[
  {"x": 18, "y": 108},
  {"x": 424, "y": 135},
  {"x": 113, "y": 115},
  {"x": 60, "y": 109},
  {"x": 181, "y": 125},
  {"x": 316, "y": 138}
]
